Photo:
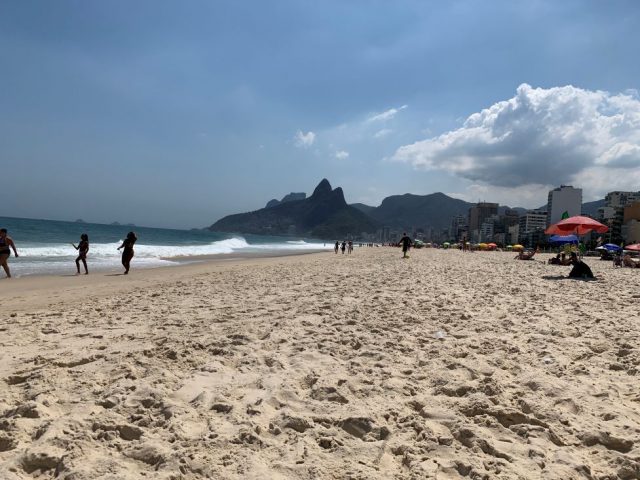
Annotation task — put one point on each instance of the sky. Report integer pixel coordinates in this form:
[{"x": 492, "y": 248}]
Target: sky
[{"x": 174, "y": 114}]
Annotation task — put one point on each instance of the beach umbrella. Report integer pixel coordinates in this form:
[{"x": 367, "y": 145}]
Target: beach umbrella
[
  {"x": 517, "y": 246},
  {"x": 578, "y": 225},
  {"x": 612, "y": 247},
  {"x": 635, "y": 247},
  {"x": 563, "y": 239}
]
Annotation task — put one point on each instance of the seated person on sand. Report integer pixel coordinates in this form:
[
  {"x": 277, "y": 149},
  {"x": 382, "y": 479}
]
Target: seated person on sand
[
  {"x": 555, "y": 260},
  {"x": 527, "y": 255},
  {"x": 627, "y": 261},
  {"x": 580, "y": 269}
]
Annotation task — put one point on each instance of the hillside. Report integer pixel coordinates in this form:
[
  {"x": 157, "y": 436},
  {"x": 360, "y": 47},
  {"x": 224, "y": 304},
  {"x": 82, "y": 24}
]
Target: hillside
[{"x": 404, "y": 211}]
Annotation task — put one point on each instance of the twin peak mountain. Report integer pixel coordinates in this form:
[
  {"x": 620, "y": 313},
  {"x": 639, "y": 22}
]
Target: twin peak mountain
[{"x": 326, "y": 214}]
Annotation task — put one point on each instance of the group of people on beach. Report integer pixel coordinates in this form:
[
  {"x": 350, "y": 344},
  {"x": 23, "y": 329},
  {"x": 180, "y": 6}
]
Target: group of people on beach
[
  {"x": 346, "y": 245},
  {"x": 6, "y": 244}
]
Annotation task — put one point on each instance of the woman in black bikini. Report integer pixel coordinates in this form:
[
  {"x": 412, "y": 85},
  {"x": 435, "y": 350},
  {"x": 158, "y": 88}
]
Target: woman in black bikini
[
  {"x": 83, "y": 249},
  {"x": 6, "y": 243},
  {"x": 127, "y": 253}
]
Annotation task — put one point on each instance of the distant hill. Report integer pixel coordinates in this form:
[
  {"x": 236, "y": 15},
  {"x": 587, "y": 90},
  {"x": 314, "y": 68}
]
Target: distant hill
[
  {"x": 404, "y": 211},
  {"x": 591, "y": 208},
  {"x": 325, "y": 214},
  {"x": 367, "y": 209},
  {"x": 291, "y": 197}
]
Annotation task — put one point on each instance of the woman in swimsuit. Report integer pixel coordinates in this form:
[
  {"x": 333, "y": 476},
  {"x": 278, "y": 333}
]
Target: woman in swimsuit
[
  {"x": 127, "y": 253},
  {"x": 83, "y": 249},
  {"x": 6, "y": 243}
]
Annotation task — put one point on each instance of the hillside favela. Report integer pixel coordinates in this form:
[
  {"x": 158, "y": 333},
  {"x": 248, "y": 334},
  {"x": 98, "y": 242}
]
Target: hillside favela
[{"x": 333, "y": 240}]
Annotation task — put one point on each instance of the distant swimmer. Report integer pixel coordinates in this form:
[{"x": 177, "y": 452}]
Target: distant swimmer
[
  {"x": 127, "y": 253},
  {"x": 83, "y": 249},
  {"x": 405, "y": 243},
  {"x": 6, "y": 243}
]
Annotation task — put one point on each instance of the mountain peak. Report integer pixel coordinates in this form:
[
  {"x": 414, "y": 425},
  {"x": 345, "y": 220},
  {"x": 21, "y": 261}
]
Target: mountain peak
[{"x": 323, "y": 188}]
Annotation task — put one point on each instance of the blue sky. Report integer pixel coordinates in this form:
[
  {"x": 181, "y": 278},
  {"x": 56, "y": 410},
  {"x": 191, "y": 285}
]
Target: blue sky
[{"x": 170, "y": 113}]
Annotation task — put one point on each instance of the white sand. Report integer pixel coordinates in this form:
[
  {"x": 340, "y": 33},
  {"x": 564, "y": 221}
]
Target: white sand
[{"x": 324, "y": 366}]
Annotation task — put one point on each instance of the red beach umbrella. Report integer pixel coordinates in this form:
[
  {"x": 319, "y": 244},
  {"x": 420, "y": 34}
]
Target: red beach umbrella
[
  {"x": 579, "y": 225},
  {"x": 635, "y": 246}
]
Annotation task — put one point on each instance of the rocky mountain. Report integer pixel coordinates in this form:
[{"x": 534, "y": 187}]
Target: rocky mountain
[
  {"x": 404, "y": 211},
  {"x": 291, "y": 197},
  {"x": 325, "y": 214}
]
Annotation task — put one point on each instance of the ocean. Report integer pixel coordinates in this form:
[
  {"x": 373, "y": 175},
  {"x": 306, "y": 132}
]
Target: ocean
[{"x": 44, "y": 246}]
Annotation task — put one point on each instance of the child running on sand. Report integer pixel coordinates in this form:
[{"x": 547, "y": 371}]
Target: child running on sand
[{"x": 83, "y": 249}]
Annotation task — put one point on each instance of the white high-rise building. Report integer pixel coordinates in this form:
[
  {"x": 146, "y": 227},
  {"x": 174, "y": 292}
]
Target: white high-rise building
[
  {"x": 532, "y": 220},
  {"x": 563, "y": 199}
]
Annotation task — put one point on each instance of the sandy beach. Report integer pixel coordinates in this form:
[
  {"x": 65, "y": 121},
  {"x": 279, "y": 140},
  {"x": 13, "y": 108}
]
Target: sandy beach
[{"x": 442, "y": 366}]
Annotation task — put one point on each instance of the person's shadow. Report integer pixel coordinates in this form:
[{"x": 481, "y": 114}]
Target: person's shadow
[
  {"x": 566, "y": 277},
  {"x": 114, "y": 274}
]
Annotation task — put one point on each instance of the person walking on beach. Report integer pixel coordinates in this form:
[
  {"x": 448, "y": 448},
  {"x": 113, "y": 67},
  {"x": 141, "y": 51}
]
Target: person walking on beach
[
  {"x": 127, "y": 253},
  {"x": 343, "y": 246},
  {"x": 6, "y": 243},
  {"x": 83, "y": 249},
  {"x": 405, "y": 243},
  {"x": 350, "y": 247},
  {"x": 336, "y": 247}
]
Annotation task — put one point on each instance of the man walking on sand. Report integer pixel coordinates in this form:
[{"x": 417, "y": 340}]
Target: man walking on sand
[{"x": 405, "y": 243}]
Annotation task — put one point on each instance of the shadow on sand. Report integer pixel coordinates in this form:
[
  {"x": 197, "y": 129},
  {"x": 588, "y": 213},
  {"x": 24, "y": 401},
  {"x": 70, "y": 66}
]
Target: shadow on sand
[{"x": 566, "y": 277}]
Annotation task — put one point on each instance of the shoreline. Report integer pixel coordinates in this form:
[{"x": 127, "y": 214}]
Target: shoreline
[{"x": 20, "y": 292}]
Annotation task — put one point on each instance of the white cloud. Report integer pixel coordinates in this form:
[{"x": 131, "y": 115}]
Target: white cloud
[
  {"x": 304, "y": 140},
  {"x": 382, "y": 133},
  {"x": 386, "y": 115},
  {"x": 542, "y": 137},
  {"x": 342, "y": 155}
]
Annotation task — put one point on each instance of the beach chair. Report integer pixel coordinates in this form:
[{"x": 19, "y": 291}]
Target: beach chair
[{"x": 526, "y": 255}]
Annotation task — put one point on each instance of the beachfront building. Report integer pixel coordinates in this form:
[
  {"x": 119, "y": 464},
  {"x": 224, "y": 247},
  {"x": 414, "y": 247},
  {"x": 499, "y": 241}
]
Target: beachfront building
[
  {"x": 630, "y": 228},
  {"x": 619, "y": 210},
  {"x": 513, "y": 235},
  {"x": 621, "y": 199},
  {"x": 459, "y": 227},
  {"x": 477, "y": 216},
  {"x": 532, "y": 220},
  {"x": 486, "y": 231},
  {"x": 563, "y": 200}
]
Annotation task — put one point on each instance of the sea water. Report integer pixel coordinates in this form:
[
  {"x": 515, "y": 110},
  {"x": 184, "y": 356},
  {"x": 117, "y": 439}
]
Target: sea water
[{"x": 44, "y": 246}]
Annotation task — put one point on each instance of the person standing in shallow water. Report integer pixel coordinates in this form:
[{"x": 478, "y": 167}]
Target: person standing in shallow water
[
  {"x": 127, "y": 253},
  {"x": 83, "y": 249},
  {"x": 6, "y": 243},
  {"x": 405, "y": 243}
]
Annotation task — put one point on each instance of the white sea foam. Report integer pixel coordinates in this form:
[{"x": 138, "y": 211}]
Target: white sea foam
[
  {"x": 106, "y": 250},
  {"x": 50, "y": 258}
]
